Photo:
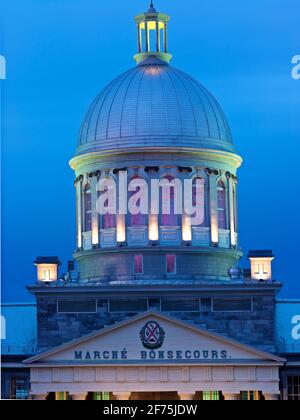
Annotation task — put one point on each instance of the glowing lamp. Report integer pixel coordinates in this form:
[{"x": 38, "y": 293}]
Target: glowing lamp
[
  {"x": 153, "y": 227},
  {"x": 121, "y": 228},
  {"x": 261, "y": 264},
  {"x": 214, "y": 230},
  {"x": 47, "y": 268},
  {"x": 186, "y": 228}
]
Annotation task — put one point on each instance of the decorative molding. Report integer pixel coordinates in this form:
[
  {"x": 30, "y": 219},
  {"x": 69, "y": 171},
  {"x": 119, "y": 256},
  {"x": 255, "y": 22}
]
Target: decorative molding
[
  {"x": 186, "y": 374},
  {"x": 120, "y": 374},
  {"x": 210, "y": 171}
]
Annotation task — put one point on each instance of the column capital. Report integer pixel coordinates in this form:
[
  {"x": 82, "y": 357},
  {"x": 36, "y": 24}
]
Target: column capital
[
  {"x": 271, "y": 397},
  {"x": 122, "y": 395},
  {"x": 186, "y": 395},
  {"x": 79, "y": 396},
  {"x": 230, "y": 396},
  {"x": 210, "y": 171}
]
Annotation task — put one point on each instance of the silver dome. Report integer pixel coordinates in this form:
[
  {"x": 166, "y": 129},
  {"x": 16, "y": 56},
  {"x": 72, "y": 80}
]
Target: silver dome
[{"x": 154, "y": 104}]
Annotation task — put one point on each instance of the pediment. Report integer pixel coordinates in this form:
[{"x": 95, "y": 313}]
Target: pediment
[{"x": 153, "y": 338}]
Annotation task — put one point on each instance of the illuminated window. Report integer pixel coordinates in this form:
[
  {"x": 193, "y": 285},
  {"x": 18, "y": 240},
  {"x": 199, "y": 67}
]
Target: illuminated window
[
  {"x": 101, "y": 396},
  {"x": 221, "y": 192},
  {"x": 19, "y": 388},
  {"x": 293, "y": 388},
  {"x": 201, "y": 202},
  {"x": 250, "y": 395},
  {"x": 210, "y": 395},
  {"x": 136, "y": 219},
  {"x": 107, "y": 220},
  {"x": 87, "y": 208},
  {"x": 170, "y": 264},
  {"x": 62, "y": 396},
  {"x": 138, "y": 264},
  {"x": 172, "y": 218}
]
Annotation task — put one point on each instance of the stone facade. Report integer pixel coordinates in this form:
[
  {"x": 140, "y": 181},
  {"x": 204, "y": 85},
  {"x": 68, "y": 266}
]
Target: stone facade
[{"x": 254, "y": 327}]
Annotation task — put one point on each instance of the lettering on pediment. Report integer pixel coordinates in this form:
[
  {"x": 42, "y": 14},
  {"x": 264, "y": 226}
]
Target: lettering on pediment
[{"x": 155, "y": 339}]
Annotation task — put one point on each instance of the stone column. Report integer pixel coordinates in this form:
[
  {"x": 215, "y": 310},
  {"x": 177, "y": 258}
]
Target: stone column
[
  {"x": 157, "y": 36},
  {"x": 139, "y": 38},
  {"x": 231, "y": 209},
  {"x": 79, "y": 396},
  {"x": 213, "y": 205},
  {"x": 122, "y": 395},
  {"x": 78, "y": 185},
  {"x": 95, "y": 217},
  {"x": 271, "y": 397},
  {"x": 228, "y": 396},
  {"x": 166, "y": 39},
  {"x": 39, "y": 396},
  {"x": 147, "y": 36},
  {"x": 185, "y": 395},
  {"x": 236, "y": 227}
]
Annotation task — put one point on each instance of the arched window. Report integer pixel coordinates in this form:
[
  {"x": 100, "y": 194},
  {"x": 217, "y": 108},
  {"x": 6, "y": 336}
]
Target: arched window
[
  {"x": 201, "y": 202},
  {"x": 107, "y": 220},
  {"x": 172, "y": 218},
  {"x": 221, "y": 192},
  {"x": 136, "y": 219},
  {"x": 87, "y": 208}
]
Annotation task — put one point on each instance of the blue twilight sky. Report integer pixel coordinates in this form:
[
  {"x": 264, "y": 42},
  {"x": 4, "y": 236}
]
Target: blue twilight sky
[{"x": 61, "y": 53}]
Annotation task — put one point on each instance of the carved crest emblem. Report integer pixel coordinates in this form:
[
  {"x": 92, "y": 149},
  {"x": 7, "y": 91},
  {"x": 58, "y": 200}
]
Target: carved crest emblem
[{"x": 152, "y": 335}]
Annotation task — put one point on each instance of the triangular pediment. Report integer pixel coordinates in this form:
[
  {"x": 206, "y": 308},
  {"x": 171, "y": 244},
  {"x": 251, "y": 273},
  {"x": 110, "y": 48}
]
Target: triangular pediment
[{"x": 151, "y": 338}]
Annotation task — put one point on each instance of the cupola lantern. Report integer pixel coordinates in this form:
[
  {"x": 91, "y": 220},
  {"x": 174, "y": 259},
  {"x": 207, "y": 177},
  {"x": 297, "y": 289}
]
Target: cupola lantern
[
  {"x": 47, "y": 268},
  {"x": 261, "y": 264},
  {"x": 152, "y": 35}
]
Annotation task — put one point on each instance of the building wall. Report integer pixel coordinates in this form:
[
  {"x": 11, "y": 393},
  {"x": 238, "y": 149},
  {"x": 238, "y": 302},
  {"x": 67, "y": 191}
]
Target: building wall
[
  {"x": 254, "y": 327},
  {"x": 211, "y": 264}
]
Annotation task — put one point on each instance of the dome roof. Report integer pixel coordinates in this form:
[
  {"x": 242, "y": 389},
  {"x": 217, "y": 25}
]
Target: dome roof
[{"x": 154, "y": 104}]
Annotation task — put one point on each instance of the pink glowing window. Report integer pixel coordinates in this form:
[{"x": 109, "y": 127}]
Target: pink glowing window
[
  {"x": 136, "y": 219},
  {"x": 138, "y": 264},
  {"x": 171, "y": 264},
  {"x": 221, "y": 205},
  {"x": 87, "y": 208},
  {"x": 107, "y": 220},
  {"x": 200, "y": 201},
  {"x": 172, "y": 218}
]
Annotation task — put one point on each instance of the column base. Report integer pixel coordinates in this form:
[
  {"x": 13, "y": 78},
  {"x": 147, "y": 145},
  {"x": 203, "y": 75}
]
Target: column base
[
  {"x": 79, "y": 396},
  {"x": 231, "y": 396},
  {"x": 271, "y": 397},
  {"x": 186, "y": 395},
  {"x": 122, "y": 395}
]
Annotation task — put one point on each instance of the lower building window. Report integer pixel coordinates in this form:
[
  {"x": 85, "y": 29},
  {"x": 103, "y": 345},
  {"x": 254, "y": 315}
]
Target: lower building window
[
  {"x": 101, "y": 396},
  {"x": 138, "y": 264},
  {"x": 250, "y": 395},
  {"x": 171, "y": 264},
  {"x": 76, "y": 306},
  {"x": 294, "y": 388},
  {"x": 128, "y": 305},
  {"x": 232, "y": 305},
  {"x": 180, "y": 305},
  {"x": 210, "y": 395},
  {"x": 19, "y": 388},
  {"x": 62, "y": 396}
]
